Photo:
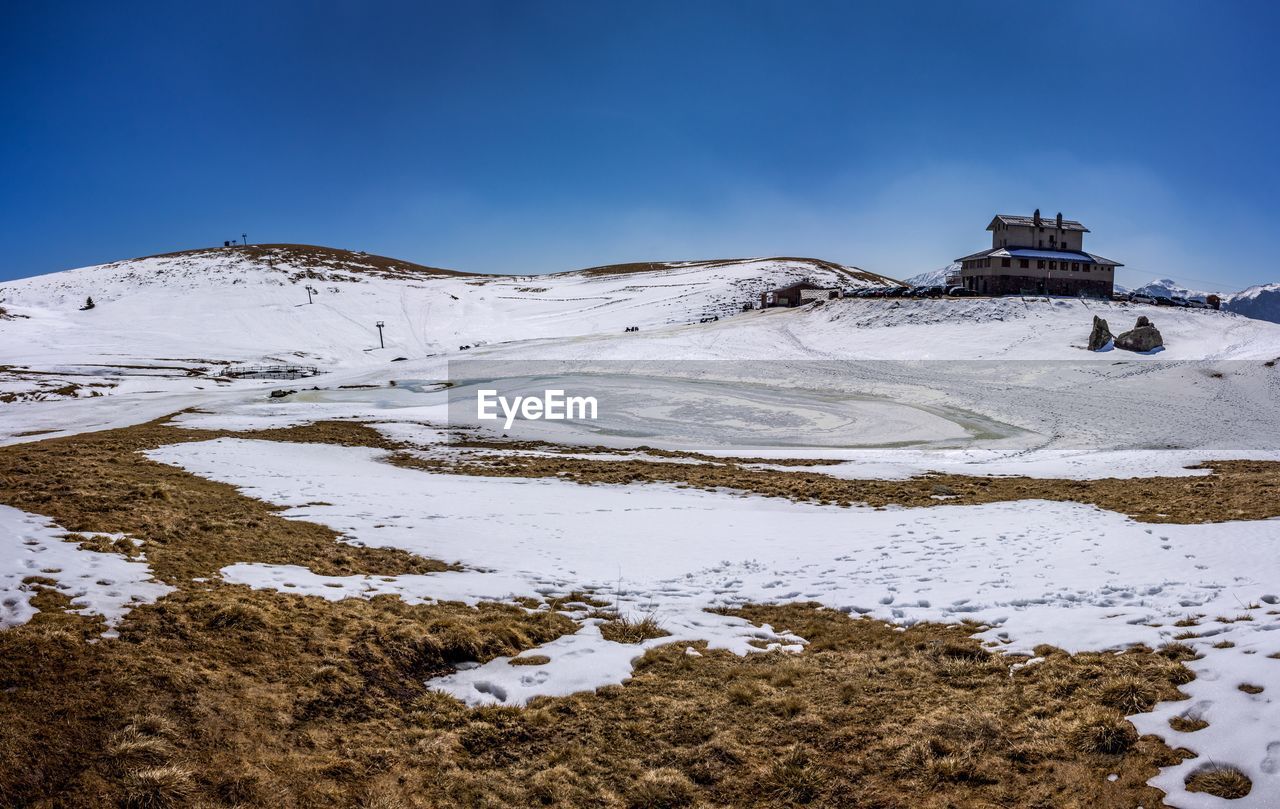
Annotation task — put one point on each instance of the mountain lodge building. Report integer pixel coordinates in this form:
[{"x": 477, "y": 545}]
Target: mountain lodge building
[{"x": 1032, "y": 255}]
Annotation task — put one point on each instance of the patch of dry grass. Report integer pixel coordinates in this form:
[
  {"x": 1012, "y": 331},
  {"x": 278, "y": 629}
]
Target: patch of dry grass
[
  {"x": 324, "y": 705},
  {"x": 1187, "y": 723},
  {"x": 1234, "y": 490},
  {"x": 632, "y": 629},
  {"x": 1220, "y": 780},
  {"x": 221, "y": 696},
  {"x": 101, "y": 483}
]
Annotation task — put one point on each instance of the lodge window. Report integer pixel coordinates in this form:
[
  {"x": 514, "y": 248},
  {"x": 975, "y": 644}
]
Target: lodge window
[
  {"x": 1023, "y": 263},
  {"x": 1053, "y": 265},
  {"x": 1040, "y": 264},
  {"x": 1004, "y": 262},
  {"x": 1075, "y": 266}
]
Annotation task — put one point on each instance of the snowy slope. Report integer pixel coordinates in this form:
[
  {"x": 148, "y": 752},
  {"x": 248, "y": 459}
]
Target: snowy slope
[
  {"x": 244, "y": 304},
  {"x": 925, "y": 329}
]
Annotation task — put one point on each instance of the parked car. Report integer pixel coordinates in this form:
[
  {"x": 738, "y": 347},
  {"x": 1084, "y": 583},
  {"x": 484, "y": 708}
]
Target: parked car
[
  {"x": 1179, "y": 301},
  {"x": 961, "y": 292},
  {"x": 1120, "y": 296},
  {"x": 936, "y": 291},
  {"x": 1164, "y": 300},
  {"x": 1197, "y": 304},
  {"x": 896, "y": 292},
  {"x": 1138, "y": 297}
]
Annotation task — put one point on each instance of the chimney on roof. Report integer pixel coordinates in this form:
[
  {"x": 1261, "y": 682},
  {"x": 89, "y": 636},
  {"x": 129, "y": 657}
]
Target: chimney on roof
[
  {"x": 1035, "y": 217},
  {"x": 1059, "y": 220}
]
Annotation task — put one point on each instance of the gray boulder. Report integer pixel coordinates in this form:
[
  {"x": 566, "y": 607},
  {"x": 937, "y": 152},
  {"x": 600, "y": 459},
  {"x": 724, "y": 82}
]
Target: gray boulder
[
  {"x": 1143, "y": 337},
  {"x": 1101, "y": 334}
]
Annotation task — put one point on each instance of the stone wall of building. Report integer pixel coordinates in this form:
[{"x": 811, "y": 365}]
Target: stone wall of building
[
  {"x": 1041, "y": 284},
  {"x": 1018, "y": 236}
]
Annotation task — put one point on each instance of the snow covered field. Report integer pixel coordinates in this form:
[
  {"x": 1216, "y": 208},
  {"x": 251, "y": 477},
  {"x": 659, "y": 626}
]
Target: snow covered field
[
  {"x": 98, "y": 583},
  {"x": 881, "y": 389}
]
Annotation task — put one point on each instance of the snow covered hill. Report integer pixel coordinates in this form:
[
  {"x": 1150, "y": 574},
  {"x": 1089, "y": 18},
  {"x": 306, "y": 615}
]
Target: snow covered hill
[
  {"x": 1169, "y": 288},
  {"x": 932, "y": 278},
  {"x": 1261, "y": 302},
  {"x": 243, "y": 304}
]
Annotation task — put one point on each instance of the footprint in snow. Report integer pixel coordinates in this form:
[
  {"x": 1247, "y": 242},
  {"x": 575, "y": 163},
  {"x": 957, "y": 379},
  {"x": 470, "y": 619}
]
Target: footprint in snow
[{"x": 1271, "y": 764}]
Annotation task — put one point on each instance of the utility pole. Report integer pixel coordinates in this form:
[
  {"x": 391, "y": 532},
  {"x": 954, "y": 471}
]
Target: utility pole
[
  {"x": 310, "y": 291},
  {"x": 380, "y": 343},
  {"x": 245, "y": 237}
]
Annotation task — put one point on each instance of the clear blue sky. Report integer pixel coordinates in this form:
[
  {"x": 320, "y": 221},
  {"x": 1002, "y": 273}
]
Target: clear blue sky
[{"x": 538, "y": 136}]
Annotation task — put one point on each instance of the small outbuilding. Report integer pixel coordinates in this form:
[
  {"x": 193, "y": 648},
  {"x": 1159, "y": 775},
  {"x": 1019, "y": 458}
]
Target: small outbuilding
[{"x": 797, "y": 294}]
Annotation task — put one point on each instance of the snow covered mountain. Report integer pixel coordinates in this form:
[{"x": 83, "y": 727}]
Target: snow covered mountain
[
  {"x": 932, "y": 278},
  {"x": 1169, "y": 288},
  {"x": 251, "y": 303},
  {"x": 1261, "y": 302}
]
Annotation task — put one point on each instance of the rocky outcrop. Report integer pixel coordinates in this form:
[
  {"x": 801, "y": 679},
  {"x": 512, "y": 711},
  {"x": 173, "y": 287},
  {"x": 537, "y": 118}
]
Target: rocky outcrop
[
  {"x": 1101, "y": 335},
  {"x": 1143, "y": 337}
]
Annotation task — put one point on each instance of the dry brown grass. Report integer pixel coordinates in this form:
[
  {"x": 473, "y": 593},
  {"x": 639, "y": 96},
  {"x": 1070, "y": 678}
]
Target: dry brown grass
[
  {"x": 318, "y": 261},
  {"x": 192, "y": 527},
  {"x": 324, "y": 705},
  {"x": 1223, "y": 781},
  {"x": 220, "y": 696},
  {"x": 1187, "y": 723},
  {"x": 632, "y": 629},
  {"x": 1234, "y": 490}
]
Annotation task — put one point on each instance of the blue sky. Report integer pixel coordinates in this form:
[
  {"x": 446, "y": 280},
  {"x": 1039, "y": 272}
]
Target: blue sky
[{"x": 531, "y": 137}]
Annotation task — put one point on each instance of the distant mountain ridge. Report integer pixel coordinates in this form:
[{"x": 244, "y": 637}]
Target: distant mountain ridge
[
  {"x": 1261, "y": 302},
  {"x": 1169, "y": 288}
]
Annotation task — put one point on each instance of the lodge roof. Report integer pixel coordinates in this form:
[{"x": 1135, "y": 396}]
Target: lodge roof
[
  {"x": 1029, "y": 222},
  {"x": 1057, "y": 255}
]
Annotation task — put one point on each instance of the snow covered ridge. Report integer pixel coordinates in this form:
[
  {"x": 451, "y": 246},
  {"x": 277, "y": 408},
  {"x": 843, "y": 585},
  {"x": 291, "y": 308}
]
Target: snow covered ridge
[
  {"x": 933, "y": 278},
  {"x": 1261, "y": 301},
  {"x": 252, "y": 304},
  {"x": 105, "y": 584}
]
